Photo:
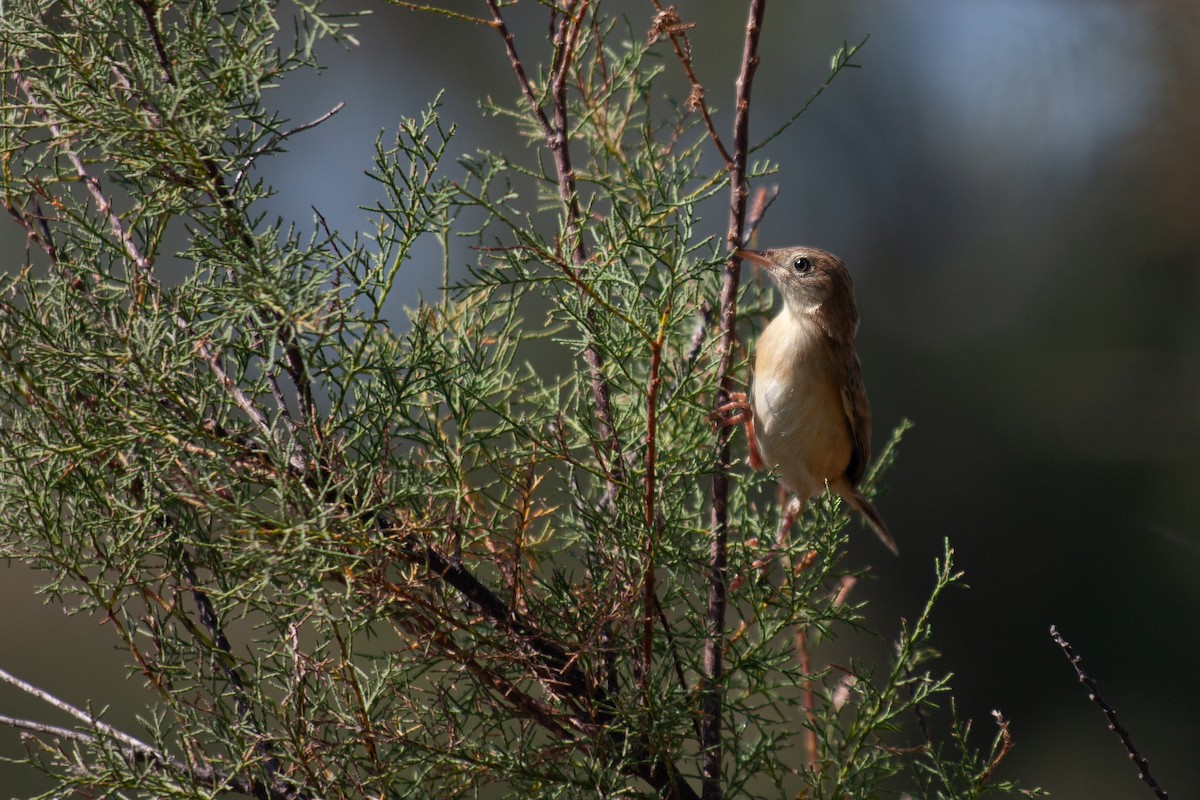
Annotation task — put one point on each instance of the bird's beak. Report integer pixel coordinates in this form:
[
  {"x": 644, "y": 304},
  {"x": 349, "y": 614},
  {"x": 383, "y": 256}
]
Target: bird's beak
[{"x": 756, "y": 256}]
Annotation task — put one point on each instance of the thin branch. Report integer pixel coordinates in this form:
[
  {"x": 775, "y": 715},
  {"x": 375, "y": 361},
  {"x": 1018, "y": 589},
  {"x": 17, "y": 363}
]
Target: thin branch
[
  {"x": 1005, "y": 740},
  {"x": 133, "y": 749},
  {"x": 677, "y": 662},
  {"x": 566, "y": 36},
  {"x": 240, "y": 399},
  {"x": 49, "y": 730},
  {"x": 518, "y": 68},
  {"x": 280, "y": 137},
  {"x": 77, "y": 713},
  {"x": 808, "y": 697},
  {"x": 1114, "y": 724},
  {"x": 667, "y": 22},
  {"x": 840, "y": 61},
  {"x": 150, "y": 13},
  {"x": 237, "y": 684},
  {"x": 650, "y": 592},
  {"x": 760, "y": 202},
  {"x": 103, "y": 204},
  {"x": 445, "y": 12},
  {"x": 521, "y": 701},
  {"x": 712, "y": 701},
  {"x": 38, "y": 234}
]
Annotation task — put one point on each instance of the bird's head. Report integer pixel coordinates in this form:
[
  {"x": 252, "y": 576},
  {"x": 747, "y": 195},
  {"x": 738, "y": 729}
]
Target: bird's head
[{"x": 812, "y": 282}]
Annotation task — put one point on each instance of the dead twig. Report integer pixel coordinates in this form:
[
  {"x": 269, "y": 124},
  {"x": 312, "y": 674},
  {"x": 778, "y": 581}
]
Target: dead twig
[
  {"x": 1006, "y": 744},
  {"x": 1114, "y": 724},
  {"x": 667, "y": 23}
]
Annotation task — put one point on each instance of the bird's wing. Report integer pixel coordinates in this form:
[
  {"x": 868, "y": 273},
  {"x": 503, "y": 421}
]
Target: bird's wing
[{"x": 858, "y": 415}]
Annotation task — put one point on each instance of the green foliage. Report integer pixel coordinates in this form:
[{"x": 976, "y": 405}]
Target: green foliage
[{"x": 351, "y": 556}]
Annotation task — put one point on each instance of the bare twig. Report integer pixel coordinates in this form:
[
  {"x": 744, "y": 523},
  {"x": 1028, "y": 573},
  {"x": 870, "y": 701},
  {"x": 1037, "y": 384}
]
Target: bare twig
[
  {"x": 650, "y": 591},
  {"x": 77, "y": 713},
  {"x": 677, "y": 662},
  {"x": 704, "y": 318},
  {"x": 760, "y": 201},
  {"x": 1114, "y": 724},
  {"x": 1006, "y": 744},
  {"x": 240, "y": 399},
  {"x": 809, "y": 696},
  {"x": 667, "y": 22},
  {"x": 280, "y": 137},
  {"x": 133, "y": 749},
  {"x": 36, "y": 228},
  {"x": 712, "y": 701}
]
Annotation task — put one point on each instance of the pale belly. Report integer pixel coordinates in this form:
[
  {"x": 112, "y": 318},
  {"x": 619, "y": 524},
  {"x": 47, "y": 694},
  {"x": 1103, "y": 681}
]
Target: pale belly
[{"x": 800, "y": 421}]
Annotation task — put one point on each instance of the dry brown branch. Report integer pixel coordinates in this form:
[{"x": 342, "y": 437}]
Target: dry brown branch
[
  {"x": 1006, "y": 744},
  {"x": 667, "y": 23}
]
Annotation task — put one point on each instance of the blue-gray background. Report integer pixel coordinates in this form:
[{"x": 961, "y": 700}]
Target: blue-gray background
[{"x": 1016, "y": 186}]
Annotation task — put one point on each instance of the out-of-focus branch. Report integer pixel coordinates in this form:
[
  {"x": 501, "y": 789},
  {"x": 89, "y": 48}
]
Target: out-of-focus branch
[
  {"x": 36, "y": 228},
  {"x": 1114, "y": 724}
]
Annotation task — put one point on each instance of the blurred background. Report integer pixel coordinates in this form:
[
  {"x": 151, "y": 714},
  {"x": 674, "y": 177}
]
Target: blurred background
[{"x": 1015, "y": 185}]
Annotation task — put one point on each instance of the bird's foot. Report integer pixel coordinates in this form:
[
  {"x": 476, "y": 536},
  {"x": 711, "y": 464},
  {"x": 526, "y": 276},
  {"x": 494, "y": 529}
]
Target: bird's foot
[{"x": 738, "y": 411}]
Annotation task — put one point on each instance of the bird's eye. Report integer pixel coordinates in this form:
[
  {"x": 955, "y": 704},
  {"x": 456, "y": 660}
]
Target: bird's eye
[{"x": 802, "y": 264}]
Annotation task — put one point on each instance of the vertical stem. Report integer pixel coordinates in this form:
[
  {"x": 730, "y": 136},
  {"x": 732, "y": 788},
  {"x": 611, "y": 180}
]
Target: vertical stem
[
  {"x": 566, "y": 37},
  {"x": 650, "y": 592},
  {"x": 712, "y": 701},
  {"x": 810, "y": 700}
]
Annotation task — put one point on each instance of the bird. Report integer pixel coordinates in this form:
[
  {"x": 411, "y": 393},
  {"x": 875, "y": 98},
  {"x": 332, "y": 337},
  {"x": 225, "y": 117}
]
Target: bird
[{"x": 808, "y": 417}]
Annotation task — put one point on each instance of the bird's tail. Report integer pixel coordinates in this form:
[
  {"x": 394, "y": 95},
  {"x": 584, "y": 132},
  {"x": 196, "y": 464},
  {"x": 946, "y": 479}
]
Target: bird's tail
[{"x": 871, "y": 515}]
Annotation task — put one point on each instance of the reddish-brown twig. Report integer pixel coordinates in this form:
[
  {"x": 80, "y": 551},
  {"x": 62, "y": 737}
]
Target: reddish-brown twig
[
  {"x": 667, "y": 22},
  {"x": 1006, "y": 744},
  {"x": 651, "y": 594},
  {"x": 809, "y": 697},
  {"x": 712, "y": 700}
]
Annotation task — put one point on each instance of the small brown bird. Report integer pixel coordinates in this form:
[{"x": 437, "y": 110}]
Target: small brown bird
[{"x": 809, "y": 417}]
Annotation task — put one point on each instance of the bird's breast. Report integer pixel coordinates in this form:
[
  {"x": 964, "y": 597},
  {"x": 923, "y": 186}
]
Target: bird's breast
[{"x": 799, "y": 417}]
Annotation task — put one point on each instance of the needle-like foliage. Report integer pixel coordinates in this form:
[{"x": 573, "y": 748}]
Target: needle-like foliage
[{"x": 351, "y": 555}]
